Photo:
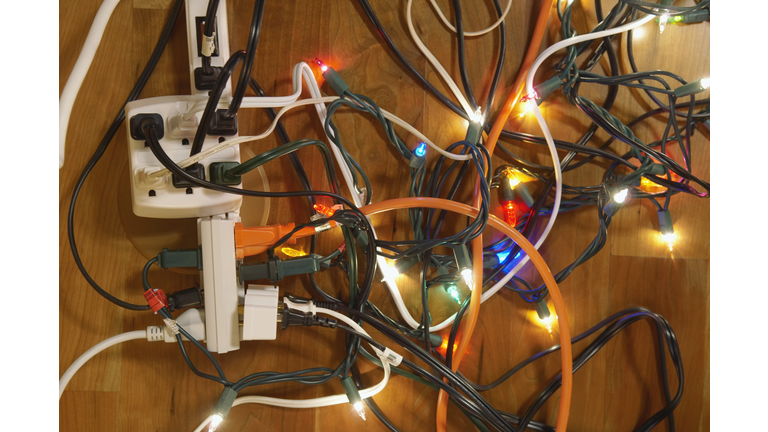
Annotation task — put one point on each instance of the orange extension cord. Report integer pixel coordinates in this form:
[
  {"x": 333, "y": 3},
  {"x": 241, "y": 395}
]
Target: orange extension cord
[
  {"x": 477, "y": 244},
  {"x": 538, "y": 261}
]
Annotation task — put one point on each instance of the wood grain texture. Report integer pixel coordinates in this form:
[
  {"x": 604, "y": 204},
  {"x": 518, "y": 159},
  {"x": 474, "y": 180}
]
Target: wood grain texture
[{"x": 140, "y": 386}]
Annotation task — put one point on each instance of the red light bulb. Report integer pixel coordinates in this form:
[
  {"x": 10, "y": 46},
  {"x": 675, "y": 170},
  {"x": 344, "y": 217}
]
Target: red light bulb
[
  {"x": 323, "y": 66},
  {"x": 510, "y": 215}
]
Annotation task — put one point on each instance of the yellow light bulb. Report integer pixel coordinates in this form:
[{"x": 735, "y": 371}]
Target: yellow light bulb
[
  {"x": 293, "y": 253},
  {"x": 670, "y": 240}
]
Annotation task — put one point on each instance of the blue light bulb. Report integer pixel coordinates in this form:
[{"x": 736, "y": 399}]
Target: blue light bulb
[
  {"x": 502, "y": 255},
  {"x": 421, "y": 150}
]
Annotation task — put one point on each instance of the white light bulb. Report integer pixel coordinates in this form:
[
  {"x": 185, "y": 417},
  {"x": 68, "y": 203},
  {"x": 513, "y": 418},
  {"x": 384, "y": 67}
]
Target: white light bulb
[
  {"x": 620, "y": 196},
  {"x": 548, "y": 323},
  {"x": 215, "y": 422},
  {"x": 391, "y": 273},
  {"x": 704, "y": 83},
  {"x": 663, "y": 22},
  {"x": 360, "y": 410},
  {"x": 468, "y": 279},
  {"x": 476, "y": 116}
]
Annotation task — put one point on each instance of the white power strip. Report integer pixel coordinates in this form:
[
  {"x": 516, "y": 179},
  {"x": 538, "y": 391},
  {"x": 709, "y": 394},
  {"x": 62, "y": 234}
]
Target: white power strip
[{"x": 160, "y": 198}]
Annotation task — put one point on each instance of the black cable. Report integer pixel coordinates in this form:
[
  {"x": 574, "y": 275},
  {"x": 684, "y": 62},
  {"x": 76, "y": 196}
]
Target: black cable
[
  {"x": 210, "y": 20},
  {"x": 102, "y": 148},
  {"x": 462, "y": 59},
  {"x": 213, "y": 101},
  {"x": 245, "y": 72}
]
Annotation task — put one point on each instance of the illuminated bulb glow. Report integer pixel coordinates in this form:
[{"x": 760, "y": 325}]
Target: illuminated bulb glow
[
  {"x": 510, "y": 216},
  {"x": 323, "y": 66},
  {"x": 215, "y": 422},
  {"x": 547, "y": 323},
  {"x": 704, "y": 83},
  {"x": 324, "y": 209},
  {"x": 421, "y": 150},
  {"x": 669, "y": 239},
  {"x": 620, "y": 196},
  {"x": 455, "y": 294},
  {"x": 293, "y": 253},
  {"x": 476, "y": 116},
  {"x": 663, "y": 22},
  {"x": 468, "y": 279},
  {"x": 360, "y": 410},
  {"x": 513, "y": 181},
  {"x": 391, "y": 273},
  {"x": 502, "y": 255}
]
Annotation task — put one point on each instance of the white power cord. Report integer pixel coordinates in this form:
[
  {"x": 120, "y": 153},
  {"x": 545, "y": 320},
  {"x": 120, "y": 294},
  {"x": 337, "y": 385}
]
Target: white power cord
[
  {"x": 99, "y": 347},
  {"x": 83, "y": 63},
  {"x": 476, "y": 33}
]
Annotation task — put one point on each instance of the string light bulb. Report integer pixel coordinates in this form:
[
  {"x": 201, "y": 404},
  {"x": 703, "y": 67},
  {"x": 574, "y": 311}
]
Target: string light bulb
[
  {"x": 454, "y": 293},
  {"x": 476, "y": 116},
  {"x": 464, "y": 263},
  {"x": 323, "y": 66},
  {"x": 669, "y": 239},
  {"x": 324, "y": 210},
  {"x": 293, "y": 253},
  {"x": 621, "y": 196},
  {"x": 704, "y": 83},
  {"x": 353, "y": 395},
  {"x": 667, "y": 230},
  {"x": 663, "y": 22},
  {"x": 399, "y": 267},
  {"x": 421, "y": 150},
  {"x": 215, "y": 422},
  {"x": 542, "y": 310},
  {"x": 510, "y": 215}
]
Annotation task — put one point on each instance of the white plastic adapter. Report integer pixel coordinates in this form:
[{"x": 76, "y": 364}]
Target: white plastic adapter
[
  {"x": 260, "y": 313},
  {"x": 219, "y": 282},
  {"x": 198, "y": 8},
  {"x": 159, "y": 198},
  {"x": 193, "y": 321}
]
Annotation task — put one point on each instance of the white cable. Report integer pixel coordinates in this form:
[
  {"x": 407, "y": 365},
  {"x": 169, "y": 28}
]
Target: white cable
[
  {"x": 436, "y": 63},
  {"x": 263, "y": 101},
  {"x": 83, "y": 63},
  {"x": 466, "y": 33},
  {"x": 321, "y": 401},
  {"x": 99, "y": 347}
]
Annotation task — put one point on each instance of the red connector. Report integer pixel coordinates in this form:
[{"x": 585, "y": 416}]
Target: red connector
[{"x": 156, "y": 299}]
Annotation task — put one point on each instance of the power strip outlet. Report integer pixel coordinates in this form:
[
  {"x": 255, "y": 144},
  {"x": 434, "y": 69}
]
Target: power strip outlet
[
  {"x": 196, "y": 10},
  {"x": 160, "y": 198},
  {"x": 218, "y": 278}
]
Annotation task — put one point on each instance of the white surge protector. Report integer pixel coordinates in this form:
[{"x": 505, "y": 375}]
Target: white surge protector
[{"x": 160, "y": 198}]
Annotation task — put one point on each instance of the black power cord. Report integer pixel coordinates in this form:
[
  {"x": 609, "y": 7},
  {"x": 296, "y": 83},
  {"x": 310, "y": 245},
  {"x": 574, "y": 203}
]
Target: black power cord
[{"x": 105, "y": 141}]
